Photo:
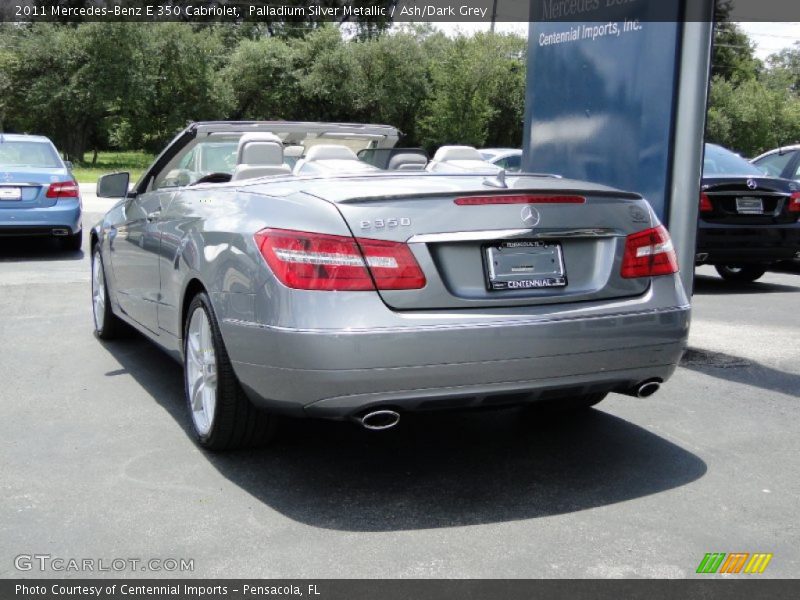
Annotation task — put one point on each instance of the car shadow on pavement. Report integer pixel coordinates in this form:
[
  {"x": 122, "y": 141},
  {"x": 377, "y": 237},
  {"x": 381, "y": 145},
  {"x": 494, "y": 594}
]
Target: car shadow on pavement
[
  {"x": 708, "y": 285},
  {"x": 740, "y": 370},
  {"x": 437, "y": 469},
  {"x": 787, "y": 267},
  {"x": 21, "y": 249}
]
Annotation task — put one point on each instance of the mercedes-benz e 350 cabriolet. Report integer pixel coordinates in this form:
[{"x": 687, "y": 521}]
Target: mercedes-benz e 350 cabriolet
[{"x": 334, "y": 289}]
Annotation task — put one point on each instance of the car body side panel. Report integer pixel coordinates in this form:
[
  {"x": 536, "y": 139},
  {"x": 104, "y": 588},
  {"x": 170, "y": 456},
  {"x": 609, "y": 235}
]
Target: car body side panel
[
  {"x": 134, "y": 257},
  {"x": 207, "y": 235}
]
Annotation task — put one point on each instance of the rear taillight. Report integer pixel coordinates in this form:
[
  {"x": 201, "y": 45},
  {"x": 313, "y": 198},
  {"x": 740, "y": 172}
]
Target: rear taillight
[
  {"x": 63, "y": 189},
  {"x": 794, "y": 202},
  {"x": 392, "y": 265},
  {"x": 519, "y": 199},
  {"x": 316, "y": 261},
  {"x": 705, "y": 203},
  {"x": 649, "y": 253}
]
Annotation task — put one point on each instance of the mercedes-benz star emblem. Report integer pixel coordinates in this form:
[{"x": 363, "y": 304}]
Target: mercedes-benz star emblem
[
  {"x": 7, "y": 177},
  {"x": 530, "y": 216},
  {"x": 752, "y": 184}
]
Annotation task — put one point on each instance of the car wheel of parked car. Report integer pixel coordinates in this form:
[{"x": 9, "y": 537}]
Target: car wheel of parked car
[
  {"x": 106, "y": 324},
  {"x": 222, "y": 416},
  {"x": 73, "y": 242},
  {"x": 743, "y": 274}
]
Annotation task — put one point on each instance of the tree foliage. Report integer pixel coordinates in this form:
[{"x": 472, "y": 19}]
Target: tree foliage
[
  {"x": 129, "y": 85},
  {"x": 134, "y": 85},
  {"x": 751, "y": 117},
  {"x": 478, "y": 90},
  {"x": 784, "y": 70},
  {"x": 66, "y": 85},
  {"x": 173, "y": 72},
  {"x": 734, "y": 54},
  {"x": 753, "y": 106}
]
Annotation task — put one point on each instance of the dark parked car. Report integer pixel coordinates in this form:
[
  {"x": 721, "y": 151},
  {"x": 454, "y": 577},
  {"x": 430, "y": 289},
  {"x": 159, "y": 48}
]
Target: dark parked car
[{"x": 748, "y": 220}]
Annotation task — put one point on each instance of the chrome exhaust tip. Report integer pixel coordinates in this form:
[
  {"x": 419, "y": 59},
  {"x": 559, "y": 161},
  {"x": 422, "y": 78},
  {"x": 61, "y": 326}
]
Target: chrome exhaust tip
[
  {"x": 647, "y": 389},
  {"x": 643, "y": 389},
  {"x": 379, "y": 420},
  {"x": 60, "y": 231}
]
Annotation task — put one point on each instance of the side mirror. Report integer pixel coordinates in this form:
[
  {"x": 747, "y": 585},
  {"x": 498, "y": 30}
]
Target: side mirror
[
  {"x": 113, "y": 185},
  {"x": 68, "y": 164}
]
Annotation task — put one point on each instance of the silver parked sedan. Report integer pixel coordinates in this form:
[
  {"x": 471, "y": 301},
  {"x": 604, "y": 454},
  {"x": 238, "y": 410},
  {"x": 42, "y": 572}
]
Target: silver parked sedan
[{"x": 367, "y": 293}]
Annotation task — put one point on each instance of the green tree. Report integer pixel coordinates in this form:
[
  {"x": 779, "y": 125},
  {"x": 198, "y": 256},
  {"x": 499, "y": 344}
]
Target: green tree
[
  {"x": 734, "y": 54},
  {"x": 784, "y": 69},
  {"x": 330, "y": 82},
  {"x": 750, "y": 117},
  {"x": 8, "y": 64},
  {"x": 394, "y": 82},
  {"x": 175, "y": 74},
  {"x": 67, "y": 79},
  {"x": 477, "y": 92},
  {"x": 259, "y": 80}
]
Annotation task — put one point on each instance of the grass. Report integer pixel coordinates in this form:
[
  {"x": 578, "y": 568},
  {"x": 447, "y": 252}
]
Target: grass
[{"x": 135, "y": 162}]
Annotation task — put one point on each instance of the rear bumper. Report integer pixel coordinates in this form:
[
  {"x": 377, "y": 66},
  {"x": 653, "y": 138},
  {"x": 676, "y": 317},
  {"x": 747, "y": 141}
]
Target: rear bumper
[
  {"x": 337, "y": 374},
  {"x": 64, "y": 214},
  {"x": 719, "y": 244}
]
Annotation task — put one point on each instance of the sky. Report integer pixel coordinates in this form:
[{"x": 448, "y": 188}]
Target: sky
[
  {"x": 772, "y": 37},
  {"x": 768, "y": 37}
]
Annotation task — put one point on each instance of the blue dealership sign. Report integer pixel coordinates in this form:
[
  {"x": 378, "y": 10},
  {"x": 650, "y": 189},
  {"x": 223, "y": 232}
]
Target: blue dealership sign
[
  {"x": 616, "y": 94},
  {"x": 601, "y": 99}
]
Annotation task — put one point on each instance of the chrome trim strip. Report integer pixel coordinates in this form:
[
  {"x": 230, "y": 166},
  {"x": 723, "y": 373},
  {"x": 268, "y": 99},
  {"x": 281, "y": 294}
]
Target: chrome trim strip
[
  {"x": 479, "y": 325},
  {"x": 499, "y": 234}
]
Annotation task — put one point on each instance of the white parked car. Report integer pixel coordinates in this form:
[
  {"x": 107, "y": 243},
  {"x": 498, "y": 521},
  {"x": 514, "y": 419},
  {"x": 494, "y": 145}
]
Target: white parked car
[{"x": 509, "y": 159}]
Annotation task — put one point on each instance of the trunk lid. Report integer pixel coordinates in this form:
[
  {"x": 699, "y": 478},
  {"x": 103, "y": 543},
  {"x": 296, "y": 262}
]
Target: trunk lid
[
  {"x": 26, "y": 187},
  {"x": 478, "y": 253},
  {"x": 747, "y": 201}
]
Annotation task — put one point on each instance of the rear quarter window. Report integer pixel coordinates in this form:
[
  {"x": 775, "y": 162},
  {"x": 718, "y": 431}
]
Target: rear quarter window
[
  {"x": 774, "y": 164},
  {"x": 28, "y": 154}
]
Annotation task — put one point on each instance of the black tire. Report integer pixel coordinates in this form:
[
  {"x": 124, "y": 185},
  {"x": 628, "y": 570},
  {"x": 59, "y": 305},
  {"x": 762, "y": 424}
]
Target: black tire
[
  {"x": 742, "y": 274},
  {"x": 108, "y": 326},
  {"x": 73, "y": 242},
  {"x": 572, "y": 404},
  {"x": 235, "y": 423}
]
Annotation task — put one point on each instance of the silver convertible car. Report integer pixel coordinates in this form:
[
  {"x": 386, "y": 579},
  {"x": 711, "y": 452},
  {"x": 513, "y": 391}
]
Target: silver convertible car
[{"x": 333, "y": 289}]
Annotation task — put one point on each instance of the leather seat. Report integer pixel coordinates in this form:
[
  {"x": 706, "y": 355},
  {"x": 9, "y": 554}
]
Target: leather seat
[
  {"x": 331, "y": 158},
  {"x": 330, "y": 152},
  {"x": 407, "y": 161},
  {"x": 259, "y": 155}
]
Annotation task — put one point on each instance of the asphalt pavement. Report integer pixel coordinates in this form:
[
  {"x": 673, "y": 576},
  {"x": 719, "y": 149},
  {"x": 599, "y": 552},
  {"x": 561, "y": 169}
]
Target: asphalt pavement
[{"x": 97, "y": 461}]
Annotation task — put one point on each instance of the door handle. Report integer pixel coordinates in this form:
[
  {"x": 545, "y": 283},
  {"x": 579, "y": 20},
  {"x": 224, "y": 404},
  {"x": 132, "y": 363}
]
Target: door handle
[{"x": 153, "y": 215}]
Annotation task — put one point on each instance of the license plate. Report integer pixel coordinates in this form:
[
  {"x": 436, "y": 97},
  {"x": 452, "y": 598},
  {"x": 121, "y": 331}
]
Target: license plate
[
  {"x": 524, "y": 265},
  {"x": 10, "y": 193},
  {"x": 749, "y": 205}
]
